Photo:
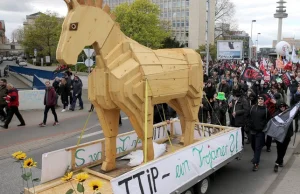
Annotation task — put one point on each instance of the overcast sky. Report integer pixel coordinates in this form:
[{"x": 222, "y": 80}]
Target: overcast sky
[{"x": 14, "y": 13}]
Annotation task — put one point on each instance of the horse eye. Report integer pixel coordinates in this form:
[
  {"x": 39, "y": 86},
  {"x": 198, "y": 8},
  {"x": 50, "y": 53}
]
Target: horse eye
[{"x": 73, "y": 26}]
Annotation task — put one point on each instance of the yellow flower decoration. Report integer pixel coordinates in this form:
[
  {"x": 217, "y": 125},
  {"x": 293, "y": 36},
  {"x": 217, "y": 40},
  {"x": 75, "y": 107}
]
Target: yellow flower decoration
[
  {"x": 81, "y": 177},
  {"x": 28, "y": 163},
  {"x": 16, "y": 153},
  {"x": 95, "y": 185},
  {"x": 67, "y": 177},
  {"x": 21, "y": 156}
]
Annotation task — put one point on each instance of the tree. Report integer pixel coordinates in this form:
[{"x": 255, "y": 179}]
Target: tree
[
  {"x": 212, "y": 51},
  {"x": 43, "y": 35},
  {"x": 170, "y": 42},
  {"x": 18, "y": 35},
  {"x": 140, "y": 21},
  {"x": 224, "y": 18}
]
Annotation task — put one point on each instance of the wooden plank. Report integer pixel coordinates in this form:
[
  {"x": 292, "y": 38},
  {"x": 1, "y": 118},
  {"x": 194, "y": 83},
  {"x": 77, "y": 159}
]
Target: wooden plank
[
  {"x": 183, "y": 73},
  {"x": 119, "y": 60},
  {"x": 168, "y": 61},
  {"x": 171, "y": 68},
  {"x": 114, "y": 54},
  {"x": 171, "y": 86},
  {"x": 114, "y": 38},
  {"x": 169, "y": 54},
  {"x": 195, "y": 78},
  {"x": 137, "y": 48},
  {"x": 73, "y": 155},
  {"x": 98, "y": 174},
  {"x": 152, "y": 70},
  {"x": 124, "y": 69},
  {"x": 146, "y": 58}
]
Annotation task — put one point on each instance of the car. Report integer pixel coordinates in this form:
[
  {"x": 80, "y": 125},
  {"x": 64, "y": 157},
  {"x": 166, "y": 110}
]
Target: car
[
  {"x": 22, "y": 62},
  {"x": 9, "y": 58},
  {"x": 4, "y": 58},
  {"x": 1, "y": 60}
]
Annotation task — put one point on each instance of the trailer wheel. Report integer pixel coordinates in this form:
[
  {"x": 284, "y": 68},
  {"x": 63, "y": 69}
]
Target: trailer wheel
[
  {"x": 189, "y": 191},
  {"x": 203, "y": 186}
]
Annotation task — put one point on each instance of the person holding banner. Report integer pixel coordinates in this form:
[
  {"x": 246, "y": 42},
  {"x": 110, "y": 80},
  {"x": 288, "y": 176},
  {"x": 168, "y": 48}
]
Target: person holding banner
[
  {"x": 282, "y": 147},
  {"x": 259, "y": 117}
]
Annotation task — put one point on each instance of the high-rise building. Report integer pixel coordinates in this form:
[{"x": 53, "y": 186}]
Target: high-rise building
[
  {"x": 2, "y": 32},
  {"x": 30, "y": 19},
  {"x": 187, "y": 19}
]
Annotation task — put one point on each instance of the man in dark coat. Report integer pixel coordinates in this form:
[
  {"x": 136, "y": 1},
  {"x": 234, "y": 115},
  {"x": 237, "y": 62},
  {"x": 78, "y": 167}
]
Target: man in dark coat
[
  {"x": 259, "y": 117},
  {"x": 239, "y": 109},
  {"x": 3, "y": 104},
  {"x": 224, "y": 87},
  {"x": 282, "y": 147},
  {"x": 77, "y": 93},
  {"x": 161, "y": 112},
  {"x": 12, "y": 100},
  {"x": 49, "y": 102},
  {"x": 203, "y": 111}
]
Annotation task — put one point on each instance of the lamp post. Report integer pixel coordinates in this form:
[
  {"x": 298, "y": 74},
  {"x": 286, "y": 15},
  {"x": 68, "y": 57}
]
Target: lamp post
[
  {"x": 257, "y": 44},
  {"x": 250, "y": 41}
]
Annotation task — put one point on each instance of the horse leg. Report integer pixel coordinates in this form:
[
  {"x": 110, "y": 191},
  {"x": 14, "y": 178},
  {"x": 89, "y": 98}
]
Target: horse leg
[
  {"x": 109, "y": 120},
  {"x": 176, "y": 106},
  {"x": 190, "y": 116}
]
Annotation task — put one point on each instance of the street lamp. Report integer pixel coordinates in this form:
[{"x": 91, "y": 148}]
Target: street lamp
[
  {"x": 257, "y": 44},
  {"x": 250, "y": 42}
]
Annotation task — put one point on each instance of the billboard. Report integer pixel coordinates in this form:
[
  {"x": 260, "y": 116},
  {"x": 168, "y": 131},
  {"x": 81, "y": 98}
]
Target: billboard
[{"x": 230, "y": 49}]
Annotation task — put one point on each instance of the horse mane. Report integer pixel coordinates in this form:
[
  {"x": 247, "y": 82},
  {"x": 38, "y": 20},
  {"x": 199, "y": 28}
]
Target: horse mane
[{"x": 92, "y": 3}]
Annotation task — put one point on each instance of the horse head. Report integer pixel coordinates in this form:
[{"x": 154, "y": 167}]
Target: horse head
[{"x": 85, "y": 24}]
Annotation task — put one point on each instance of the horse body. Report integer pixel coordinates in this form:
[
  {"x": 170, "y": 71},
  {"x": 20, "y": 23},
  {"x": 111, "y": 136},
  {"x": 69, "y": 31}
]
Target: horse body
[{"x": 123, "y": 68}]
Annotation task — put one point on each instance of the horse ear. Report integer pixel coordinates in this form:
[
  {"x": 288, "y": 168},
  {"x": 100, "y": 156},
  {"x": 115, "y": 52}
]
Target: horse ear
[
  {"x": 81, "y": 2},
  {"x": 68, "y": 4},
  {"x": 99, "y": 3},
  {"x": 74, "y": 3},
  {"x": 106, "y": 9}
]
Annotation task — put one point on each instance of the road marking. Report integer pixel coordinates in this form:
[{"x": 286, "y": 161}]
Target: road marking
[
  {"x": 91, "y": 134},
  {"x": 124, "y": 118}
]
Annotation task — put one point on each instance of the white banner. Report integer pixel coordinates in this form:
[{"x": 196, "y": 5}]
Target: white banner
[
  {"x": 92, "y": 153},
  {"x": 229, "y": 49},
  {"x": 168, "y": 173}
]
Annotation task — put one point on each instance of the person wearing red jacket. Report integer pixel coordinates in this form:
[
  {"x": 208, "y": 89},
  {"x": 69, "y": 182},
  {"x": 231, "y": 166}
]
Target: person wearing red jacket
[
  {"x": 12, "y": 100},
  {"x": 49, "y": 102}
]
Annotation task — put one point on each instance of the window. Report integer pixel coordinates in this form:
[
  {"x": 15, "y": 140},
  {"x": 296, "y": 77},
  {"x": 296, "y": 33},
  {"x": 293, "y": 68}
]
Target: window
[
  {"x": 187, "y": 13},
  {"x": 178, "y": 24},
  {"x": 187, "y": 3},
  {"x": 186, "y": 23},
  {"x": 182, "y": 24},
  {"x": 174, "y": 24}
]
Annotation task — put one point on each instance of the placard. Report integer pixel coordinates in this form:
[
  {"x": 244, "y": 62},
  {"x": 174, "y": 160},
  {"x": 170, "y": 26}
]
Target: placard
[{"x": 168, "y": 173}]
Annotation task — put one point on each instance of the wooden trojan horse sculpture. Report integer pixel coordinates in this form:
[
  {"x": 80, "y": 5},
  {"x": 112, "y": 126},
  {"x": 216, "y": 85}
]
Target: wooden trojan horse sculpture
[{"x": 174, "y": 76}]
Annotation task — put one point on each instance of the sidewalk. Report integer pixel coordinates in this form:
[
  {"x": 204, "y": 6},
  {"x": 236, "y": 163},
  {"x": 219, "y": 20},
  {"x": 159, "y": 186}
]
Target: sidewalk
[{"x": 289, "y": 178}]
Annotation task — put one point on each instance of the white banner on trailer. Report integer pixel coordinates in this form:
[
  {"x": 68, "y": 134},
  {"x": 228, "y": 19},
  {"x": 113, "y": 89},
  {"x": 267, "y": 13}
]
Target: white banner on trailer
[
  {"x": 230, "y": 49},
  {"x": 55, "y": 164},
  {"x": 166, "y": 174}
]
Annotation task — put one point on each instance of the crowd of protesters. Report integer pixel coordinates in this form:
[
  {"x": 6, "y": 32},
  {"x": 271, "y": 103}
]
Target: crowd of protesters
[{"x": 250, "y": 95}]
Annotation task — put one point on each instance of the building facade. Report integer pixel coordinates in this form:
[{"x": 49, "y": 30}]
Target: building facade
[
  {"x": 292, "y": 41},
  {"x": 187, "y": 19},
  {"x": 2, "y": 32},
  {"x": 30, "y": 19}
]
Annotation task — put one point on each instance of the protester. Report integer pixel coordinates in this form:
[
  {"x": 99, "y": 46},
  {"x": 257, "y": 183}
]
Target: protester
[
  {"x": 69, "y": 82},
  {"x": 224, "y": 87},
  {"x": 220, "y": 107},
  {"x": 3, "y": 94},
  {"x": 64, "y": 93},
  {"x": 49, "y": 102},
  {"x": 259, "y": 116},
  {"x": 203, "y": 111},
  {"x": 282, "y": 147},
  {"x": 239, "y": 109},
  {"x": 12, "y": 100},
  {"x": 55, "y": 85},
  {"x": 77, "y": 93}
]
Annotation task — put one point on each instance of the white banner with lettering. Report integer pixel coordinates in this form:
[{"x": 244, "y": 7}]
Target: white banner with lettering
[{"x": 168, "y": 173}]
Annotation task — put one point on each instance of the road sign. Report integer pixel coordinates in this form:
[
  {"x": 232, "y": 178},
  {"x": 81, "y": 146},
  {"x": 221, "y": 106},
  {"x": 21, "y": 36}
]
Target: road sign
[
  {"x": 89, "y": 52},
  {"x": 35, "y": 52},
  {"x": 89, "y": 62},
  {"x": 47, "y": 59}
]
